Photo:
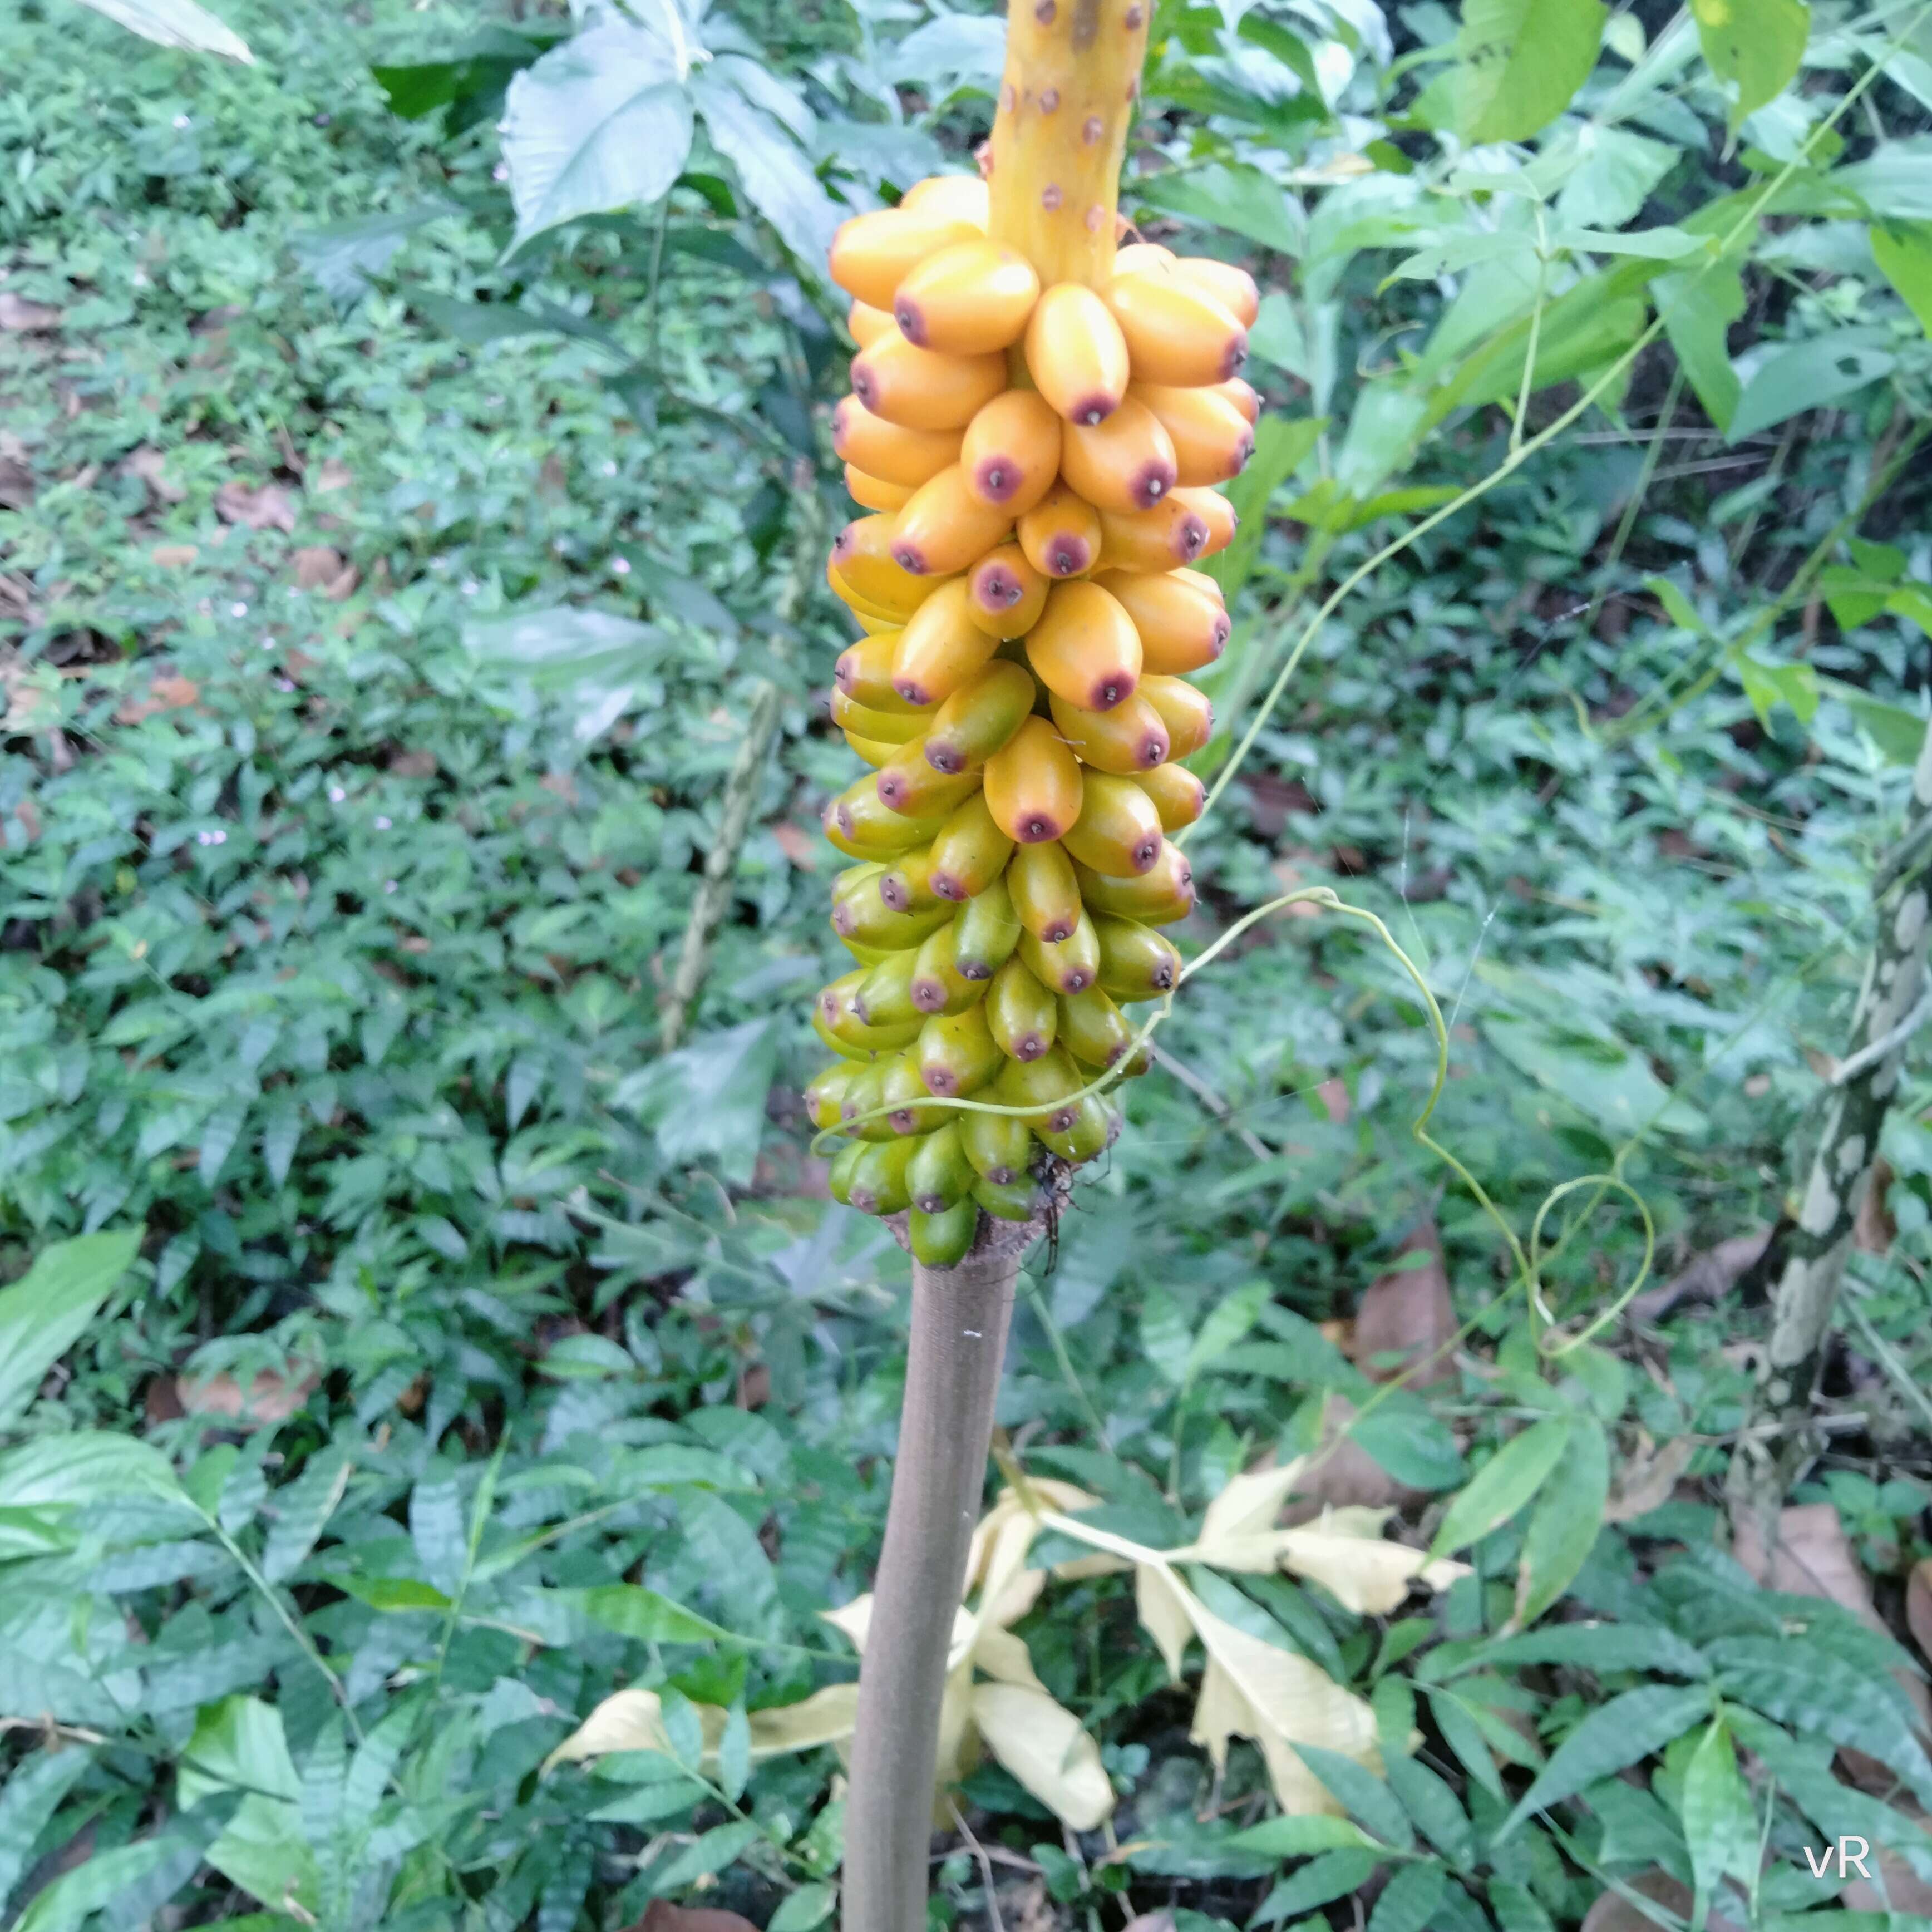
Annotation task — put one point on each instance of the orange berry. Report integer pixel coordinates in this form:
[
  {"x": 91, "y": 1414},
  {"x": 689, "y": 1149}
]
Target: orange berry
[
  {"x": 1005, "y": 594},
  {"x": 944, "y": 526},
  {"x": 979, "y": 718},
  {"x": 1222, "y": 282},
  {"x": 967, "y": 299},
  {"x": 1045, "y": 895},
  {"x": 1061, "y": 534},
  {"x": 1172, "y": 533},
  {"x": 862, "y": 562},
  {"x": 1215, "y": 512},
  {"x": 1241, "y": 394},
  {"x": 1126, "y": 462},
  {"x": 866, "y": 324},
  {"x": 1175, "y": 333},
  {"x": 1138, "y": 258},
  {"x": 871, "y": 254},
  {"x": 954, "y": 197},
  {"x": 1179, "y": 613},
  {"x": 940, "y": 648},
  {"x": 887, "y": 451},
  {"x": 1076, "y": 353},
  {"x": 864, "y": 672},
  {"x": 1212, "y": 440},
  {"x": 872, "y": 492},
  {"x": 919, "y": 388},
  {"x": 969, "y": 852},
  {"x": 1186, "y": 711},
  {"x": 1085, "y": 649},
  {"x": 1129, "y": 738},
  {"x": 1161, "y": 895},
  {"x": 1033, "y": 784},
  {"x": 1118, "y": 833},
  {"x": 1178, "y": 796},
  {"x": 1011, "y": 450},
  {"x": 913, "y": 788}
]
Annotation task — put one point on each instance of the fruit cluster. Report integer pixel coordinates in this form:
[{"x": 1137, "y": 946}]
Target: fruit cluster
[{"x": 1039, "y": 466}]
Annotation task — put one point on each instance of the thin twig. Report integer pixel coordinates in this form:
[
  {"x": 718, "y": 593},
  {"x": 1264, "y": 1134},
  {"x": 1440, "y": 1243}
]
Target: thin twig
[
  {"x": 986, "y": 1864},
  {"x": 746, "y": 780},
  {"x": 1166, "y": 1056}
]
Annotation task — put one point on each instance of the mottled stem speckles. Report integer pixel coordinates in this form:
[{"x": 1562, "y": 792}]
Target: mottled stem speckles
[{"x": 1851, "y": 1120}]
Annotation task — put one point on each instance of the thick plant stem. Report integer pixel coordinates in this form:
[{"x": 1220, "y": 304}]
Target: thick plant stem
[
  {"x": 1073, "y": 70},
  {"x": 959, "y": 1317},
  {"x": 1892, "y": 1005}
]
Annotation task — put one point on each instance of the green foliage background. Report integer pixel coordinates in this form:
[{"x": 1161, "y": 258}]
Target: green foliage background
[{"x": 378, "y": 601}]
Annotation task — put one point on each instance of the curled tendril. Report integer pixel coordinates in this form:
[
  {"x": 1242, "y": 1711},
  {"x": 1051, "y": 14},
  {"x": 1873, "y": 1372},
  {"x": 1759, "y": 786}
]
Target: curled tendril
[{"x": 1530, "y": 1262}]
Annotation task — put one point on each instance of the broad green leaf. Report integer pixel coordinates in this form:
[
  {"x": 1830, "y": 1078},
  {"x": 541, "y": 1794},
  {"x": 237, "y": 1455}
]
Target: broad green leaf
[
  {"x": 1369, "y": 1800},
  {"x": 1520, "y": 63},
  {"x": 1756, "y": 43},
  {"x": 1600, "y": 1647},
  {"x": 601, "y": 122},
  {"x": 1563, "y": 1527},
  {"x": 1515, "y": 1906},
  {"x": 706, "y": 1101},
  {"x": 1810, "y": 375},
  {"x": 1242, "y": 200},
  {"x": 799, "y": 1911},
  {"x": 1164, "y": 1338},
  {"x": 1229, "y": 1319},
  {"x": 632, "y": 1611},
  {"x": 1613, "y": 174},
  {"x": 86, "y": 1467},
  {"x": 1301, "y": 1836},
  {"x": 392, "y": 1593},
  {"x": 176, "y": 23},
  {"x": 29, "y": 1797},
  {"x": 776, "y": 171},
  {"x": 47, "y": 1310},
  {"x": 1332, "y": 1875},
  {"x": 1437, "y": 1811},
  {"x": 1464, "y": 1736},
  {"x": 1409, "y": 1900},
  {"x": 1896, "y": 732},
  {"x": 1614, "y": 1734},
  {"x": 711, "y": 1853},
  {"x": 1502, "y": 1486},
  {"x": 1903, "y": 250},
  {"x": 1719, "y": 1821},
  {"x": 1818, "y": 1694},
  {"x": 345, "y": 257},
  {"x": 1768, "y": 685}
]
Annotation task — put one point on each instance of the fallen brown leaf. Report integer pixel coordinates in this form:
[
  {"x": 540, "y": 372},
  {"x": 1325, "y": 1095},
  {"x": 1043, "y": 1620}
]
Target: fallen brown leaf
[
  {"x": 147, "y": 465},
  {"x": 1340, "y": 1472},
  {"x": 17, "y": 312},
  {"x": 270, "y": 1397},
  {"x": 1918, "y": 1605},
  {"x": 1613, "y": 1914},
  {"x": 165, "y": 693},
  {"x": 797, "y": 844},
  {"x": 660, "y": 1915},
  {"x": 269, "y": 507},
  {"x": 1406, "y": 1324},
  {"x": 1704, "y": 1277},
  {"x": 1812, "y": 1557},
  {"x": 1873, "y": 1230},
  {"x": 333, "y": 474},
  {"x": 1333, "y": 1093},
  {"x": 1648, "y": 1477},
  {"x": 560, "y": 785},
  {"x": 1905, "y": 1893},
  {"x": 16, "y": 484},
  {"x": 412, "y": 764},
  {"x": 319, "y": 567},
  {"x": 174, "y": 556}
]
